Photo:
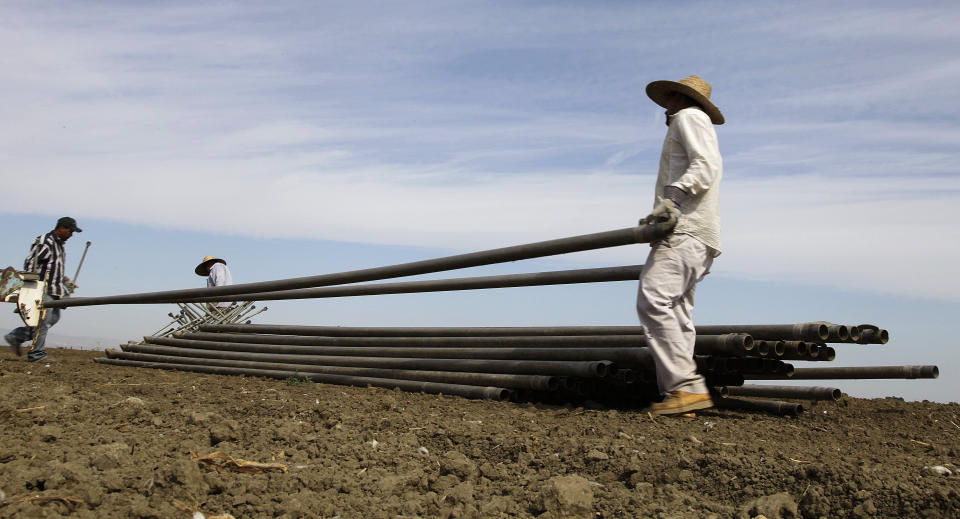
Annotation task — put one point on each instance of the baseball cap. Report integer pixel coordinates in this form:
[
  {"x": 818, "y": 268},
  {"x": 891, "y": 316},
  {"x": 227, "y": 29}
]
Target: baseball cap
[{"x": 69, "y": 223}]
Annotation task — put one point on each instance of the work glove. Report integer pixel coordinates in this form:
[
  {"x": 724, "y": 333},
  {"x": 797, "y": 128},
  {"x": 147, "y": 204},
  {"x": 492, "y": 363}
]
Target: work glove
[
  {"x": 665, "y": 210},
  {"x": 71, "y": 286}
]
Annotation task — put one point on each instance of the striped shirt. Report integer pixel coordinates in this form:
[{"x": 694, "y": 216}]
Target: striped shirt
[{"x": 47, "y": 259}]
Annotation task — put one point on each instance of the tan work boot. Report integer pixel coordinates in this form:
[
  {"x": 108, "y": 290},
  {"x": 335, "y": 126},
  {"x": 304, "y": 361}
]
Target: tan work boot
[{"x": 682, "y": 402}]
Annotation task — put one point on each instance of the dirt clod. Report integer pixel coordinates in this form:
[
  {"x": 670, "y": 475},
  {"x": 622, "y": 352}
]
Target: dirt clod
[
  {"x": 568, "y": 496},
  {"x": 776, "y": 506}
]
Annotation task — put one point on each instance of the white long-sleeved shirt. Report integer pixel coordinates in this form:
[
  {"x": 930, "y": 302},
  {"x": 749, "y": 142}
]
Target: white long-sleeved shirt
[
  {"x": 220, "y": 276},
  {"x": 691, "y": 161}
]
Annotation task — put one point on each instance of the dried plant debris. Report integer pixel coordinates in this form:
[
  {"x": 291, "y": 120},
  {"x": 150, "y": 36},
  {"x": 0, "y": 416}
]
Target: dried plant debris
[{"x": 221, "y": 461}]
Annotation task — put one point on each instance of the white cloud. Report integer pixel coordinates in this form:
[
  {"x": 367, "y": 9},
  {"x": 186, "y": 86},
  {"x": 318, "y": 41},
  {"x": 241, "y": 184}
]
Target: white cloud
[{"x": 487, "y": 128}]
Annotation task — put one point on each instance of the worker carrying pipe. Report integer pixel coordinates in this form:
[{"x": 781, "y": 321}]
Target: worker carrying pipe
[
  {"x": 688, "y": 188},
  {"x": 47, "y": 259}
]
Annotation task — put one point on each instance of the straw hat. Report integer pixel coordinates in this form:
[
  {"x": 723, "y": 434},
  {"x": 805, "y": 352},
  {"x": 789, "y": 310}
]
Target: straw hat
[
  {"x": 203, "y": 269},
  {"x": 694, "y": 87}
]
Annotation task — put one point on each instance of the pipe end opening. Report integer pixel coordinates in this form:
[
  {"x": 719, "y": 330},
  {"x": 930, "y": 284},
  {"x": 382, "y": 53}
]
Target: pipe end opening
[
  {"x": 855, "y": 333},
  {"x": 843, "y": 333},
  {"x": 823, "y": 331},
  {"x": 763, "y": 348},
  {"x": 779, "y": 348},
  {"x": 603, "y": 369}
]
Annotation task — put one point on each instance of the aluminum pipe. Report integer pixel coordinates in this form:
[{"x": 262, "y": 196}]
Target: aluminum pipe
[
  {"x": 722, "y": 379},
  {"x": 816, "y": 331},
  {"x": 865, "y": 372},
  {"x": 490, "y": 393},
  {"x": 827, "y": 353},
  {"x": 536, "y": 382},
  {"x": 730, "y": 344},
  {"x": 802, "y": 331},
  {"x": 584, "y": 242},
  {"x": 837, "y": 333},
  {"x": 798, "y": 392},
  {"x": 870, "y": 334},
  {"x": 761, "y": 348},
  {"x": 767, "y": 406},
  {"x": 855, "y": 333},
  {"x": 800, "y": 350},
  {"x": 754, "y": 365},
  {"x": 772, "y": 349},
  {"x": 628, "y": 357},
  {"x": 633, "y": 356},
  {"x": 560, "y": 277},
  {"x": 795, "y": 350},
  {"x": 409, "y": 331},
  {"x": 584, "y": 369}
]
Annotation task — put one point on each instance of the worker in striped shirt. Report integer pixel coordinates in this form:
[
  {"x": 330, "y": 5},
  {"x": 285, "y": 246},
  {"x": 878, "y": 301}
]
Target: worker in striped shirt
[{"x": 47, "y": 259}]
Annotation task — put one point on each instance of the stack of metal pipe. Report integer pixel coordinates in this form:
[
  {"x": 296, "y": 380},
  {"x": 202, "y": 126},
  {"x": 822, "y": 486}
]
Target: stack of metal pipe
[{"x": 609, "y": 364}]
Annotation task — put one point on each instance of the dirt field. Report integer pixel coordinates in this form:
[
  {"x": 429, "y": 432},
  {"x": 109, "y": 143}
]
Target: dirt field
[{"x": 82, "y": 439}]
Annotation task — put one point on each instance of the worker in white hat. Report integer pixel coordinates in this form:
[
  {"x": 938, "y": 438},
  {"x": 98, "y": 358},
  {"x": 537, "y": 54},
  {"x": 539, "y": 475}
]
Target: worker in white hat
[
  {"x": 217, "y": 273},
  {"x": 688, "y": 185}
]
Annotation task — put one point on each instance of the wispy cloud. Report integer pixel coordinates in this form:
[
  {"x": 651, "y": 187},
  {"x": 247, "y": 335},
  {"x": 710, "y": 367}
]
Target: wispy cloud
[{"x": 471, "y": 126}]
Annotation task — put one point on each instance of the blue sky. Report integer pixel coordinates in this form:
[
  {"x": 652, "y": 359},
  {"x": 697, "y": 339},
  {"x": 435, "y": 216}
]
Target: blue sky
[{"x": 300, "y": 138}]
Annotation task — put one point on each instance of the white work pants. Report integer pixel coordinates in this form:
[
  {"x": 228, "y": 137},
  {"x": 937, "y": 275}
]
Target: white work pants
[{"x": 665, "y": 303}]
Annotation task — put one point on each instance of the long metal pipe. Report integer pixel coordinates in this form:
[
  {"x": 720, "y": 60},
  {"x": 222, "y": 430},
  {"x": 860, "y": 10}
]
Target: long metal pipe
[
  {"x": 730, "y": 344},
  {"x": 410, "y": 331},
  {"x": 627, "y": 356},
  {"x": 753, "y": 365},
  {"x": 777, "y": 348},
  {"x": 855, "y": 333},
  {"x": 801, "y": 350},
  {"x": 722, "y": 379},
  {"x": 866, "y": 372},
  {"x": 827, "y": 353},
  {"x": 860, "y": 334},
  {"x": 798, "y": 392},
  {"x": 837, "y": 333},
  {"x": 761, "y": 348},
  {"x": 584, "y": 242},
  {"x": 768, "y": 406},
  {"x": 795, "y": 349},
  {"x": 510, "y": 381},
  {"x": 491, "y": 393},
  {"x": 802, "y": 331},
  {"x": 585, "y": 369},
  {"x": 814, "y": 331},
  {"x": 559, "y": 277},
  {"x": 870, "y": 334}
]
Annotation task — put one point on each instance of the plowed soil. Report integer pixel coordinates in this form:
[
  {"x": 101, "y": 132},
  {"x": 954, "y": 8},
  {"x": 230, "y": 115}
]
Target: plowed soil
[{"x": 82, "y": 439}]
